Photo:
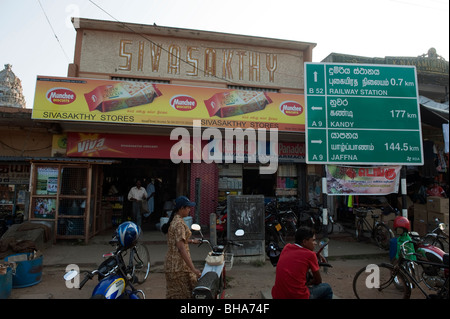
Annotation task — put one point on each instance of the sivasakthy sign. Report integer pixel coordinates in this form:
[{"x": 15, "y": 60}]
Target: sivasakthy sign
[{"x": 94, "y": 100}]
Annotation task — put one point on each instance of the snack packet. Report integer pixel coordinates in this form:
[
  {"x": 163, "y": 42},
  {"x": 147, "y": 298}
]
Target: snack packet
[
  {"x": 236, "y": 102},
  {"x": 121, "y": 95}
]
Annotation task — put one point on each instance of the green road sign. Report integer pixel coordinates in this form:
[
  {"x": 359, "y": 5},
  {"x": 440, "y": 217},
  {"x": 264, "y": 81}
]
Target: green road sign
[{"x": 362, "y": 114}]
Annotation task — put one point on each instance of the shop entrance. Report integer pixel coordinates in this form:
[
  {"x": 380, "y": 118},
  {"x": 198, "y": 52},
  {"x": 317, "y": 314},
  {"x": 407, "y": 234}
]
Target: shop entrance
[
  {"x": 118, "y": 179},
  {"x": 255, "y": 183}
]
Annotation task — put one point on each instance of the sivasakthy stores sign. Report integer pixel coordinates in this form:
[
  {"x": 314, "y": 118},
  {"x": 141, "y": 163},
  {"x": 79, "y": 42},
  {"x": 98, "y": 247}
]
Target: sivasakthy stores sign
[{"x": 94, "y": 100}]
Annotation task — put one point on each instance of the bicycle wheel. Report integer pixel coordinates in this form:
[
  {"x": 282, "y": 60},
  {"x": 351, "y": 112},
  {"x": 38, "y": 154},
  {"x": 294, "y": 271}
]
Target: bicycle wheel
[
  {"x": 381, "y": 281},
  {"x": 141, "y": 263},
  {"x": 383, "y": 236}
]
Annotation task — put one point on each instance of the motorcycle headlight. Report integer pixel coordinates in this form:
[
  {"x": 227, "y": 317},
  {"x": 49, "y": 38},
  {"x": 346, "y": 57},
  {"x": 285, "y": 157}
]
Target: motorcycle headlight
[{"x": 441, "y": 226}]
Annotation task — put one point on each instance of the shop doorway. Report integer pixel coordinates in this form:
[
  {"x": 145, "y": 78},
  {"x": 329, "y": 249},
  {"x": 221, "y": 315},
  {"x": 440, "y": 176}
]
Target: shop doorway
[
  {"x": 118, "y": 179},
  {"x": 255, "y": 183}
]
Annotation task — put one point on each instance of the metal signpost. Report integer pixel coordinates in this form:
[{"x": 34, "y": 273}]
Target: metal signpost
[{"x": 362, "y": 114}]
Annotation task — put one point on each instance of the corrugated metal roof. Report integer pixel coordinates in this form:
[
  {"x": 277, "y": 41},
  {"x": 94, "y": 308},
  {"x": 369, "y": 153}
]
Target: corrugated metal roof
[{"x": 58, "y": 159}]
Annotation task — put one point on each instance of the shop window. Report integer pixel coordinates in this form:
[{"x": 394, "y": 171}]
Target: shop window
[{"x": 59, "y": 194}]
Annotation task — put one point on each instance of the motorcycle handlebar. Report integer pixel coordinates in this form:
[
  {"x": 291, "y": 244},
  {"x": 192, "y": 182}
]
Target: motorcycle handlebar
[{"x": 88, "y": 276}]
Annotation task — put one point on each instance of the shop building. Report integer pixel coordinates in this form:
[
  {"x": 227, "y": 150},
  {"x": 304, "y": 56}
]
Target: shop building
[
  {"x": 20, "y": 138},
  {"x": 109, "y": 147}
]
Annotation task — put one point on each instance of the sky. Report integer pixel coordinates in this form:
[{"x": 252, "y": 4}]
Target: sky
[{"x": 38, "y": 38}]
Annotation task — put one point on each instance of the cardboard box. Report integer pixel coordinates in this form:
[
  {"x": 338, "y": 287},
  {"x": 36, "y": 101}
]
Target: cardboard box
[
  {"x": 420, "y": 226},
  {"x": 420, "y": 212},
  {"x": 437, "y": 204}
]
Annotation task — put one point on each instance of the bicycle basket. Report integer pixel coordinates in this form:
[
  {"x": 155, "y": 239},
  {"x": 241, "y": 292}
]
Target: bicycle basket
[
  {"x": 229, "y": 257},
  {"x": 360, "y": 213}
]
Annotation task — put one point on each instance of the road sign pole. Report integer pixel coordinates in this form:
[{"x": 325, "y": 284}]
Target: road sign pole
[{"x": 404, "y": 192}]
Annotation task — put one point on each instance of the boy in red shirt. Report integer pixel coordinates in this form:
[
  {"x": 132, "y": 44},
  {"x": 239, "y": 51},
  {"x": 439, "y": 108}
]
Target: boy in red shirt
[{"x": 292, "y": 268}]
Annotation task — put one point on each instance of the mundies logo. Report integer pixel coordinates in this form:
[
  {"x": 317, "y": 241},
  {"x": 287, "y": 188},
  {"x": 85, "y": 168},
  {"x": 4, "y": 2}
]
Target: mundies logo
[
  {"x": 291, "y": 108},
  {"x": 183, "y": 102},
  {"x": 60, "y": 96}
]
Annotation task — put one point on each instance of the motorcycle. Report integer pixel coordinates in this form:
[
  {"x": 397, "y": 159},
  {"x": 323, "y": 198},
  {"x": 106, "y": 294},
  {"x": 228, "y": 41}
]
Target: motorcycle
[
  {"x": 437, "y": 237},
  {"x": 116, "y": 279},
  {"x": 212, "y": 283},
  {"x": 433, "y": 276}
]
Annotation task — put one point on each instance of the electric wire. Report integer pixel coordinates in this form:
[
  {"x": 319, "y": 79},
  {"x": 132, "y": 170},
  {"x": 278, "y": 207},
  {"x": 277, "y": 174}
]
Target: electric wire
[{"x": 53, "y": 30}]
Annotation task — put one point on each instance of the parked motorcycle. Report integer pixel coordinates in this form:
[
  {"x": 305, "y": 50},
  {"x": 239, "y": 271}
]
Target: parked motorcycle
[
  {"x": 280, "y": 226},
  {"x": 433, "y": 276},
  {"x": 273, "y": 230},
  {"x": 212, "y": 283},
  {"x": 437, "y": 237},
  {"x": 116, "y": 278}
]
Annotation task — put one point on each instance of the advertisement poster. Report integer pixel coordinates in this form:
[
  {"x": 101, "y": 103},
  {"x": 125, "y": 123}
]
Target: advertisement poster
[
  {"x": 93, "y": 100},
  {"x": 45, "y": 208},
  {"x": 123, "y": 146},
  {"x": 47, "y": 181},
  {"x": 149, "y": 146},
  {"x": 344, "y": 180}
]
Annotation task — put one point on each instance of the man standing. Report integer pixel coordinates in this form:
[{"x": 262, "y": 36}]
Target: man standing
[
  {"x": 296, "y": 260},
  {"x": 136, "y": 195}
]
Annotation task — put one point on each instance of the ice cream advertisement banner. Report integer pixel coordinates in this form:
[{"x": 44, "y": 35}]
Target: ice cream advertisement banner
[
  {"x": 94, "y": 100},
  {"x": 344, "y": 180}
]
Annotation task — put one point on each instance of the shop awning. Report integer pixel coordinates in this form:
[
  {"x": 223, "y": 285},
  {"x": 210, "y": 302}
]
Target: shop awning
[{"x": 433, "y": 113}]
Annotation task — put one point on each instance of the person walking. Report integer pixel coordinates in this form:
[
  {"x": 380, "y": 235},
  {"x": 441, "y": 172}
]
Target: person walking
[
  {"x": 136, "y": 195},
  {"x": 181, "y": 274}
]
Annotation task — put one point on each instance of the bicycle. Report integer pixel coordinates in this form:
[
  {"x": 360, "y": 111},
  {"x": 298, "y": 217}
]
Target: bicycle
[
  {"x": 381, "y": 233},
  {"x": 387, "y": 281},
  {"x": 138, "y": 267}
]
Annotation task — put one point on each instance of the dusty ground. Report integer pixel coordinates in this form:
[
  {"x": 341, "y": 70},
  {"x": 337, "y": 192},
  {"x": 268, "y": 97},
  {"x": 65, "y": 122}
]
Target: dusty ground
[{"x": 246, "y": 281}]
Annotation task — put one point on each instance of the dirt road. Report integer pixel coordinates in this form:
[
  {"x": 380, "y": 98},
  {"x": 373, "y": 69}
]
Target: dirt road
[{"x": 246, "y": 281}]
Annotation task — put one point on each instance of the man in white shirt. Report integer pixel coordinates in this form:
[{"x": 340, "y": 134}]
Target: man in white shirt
[{"x": 136, "y": 195}]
